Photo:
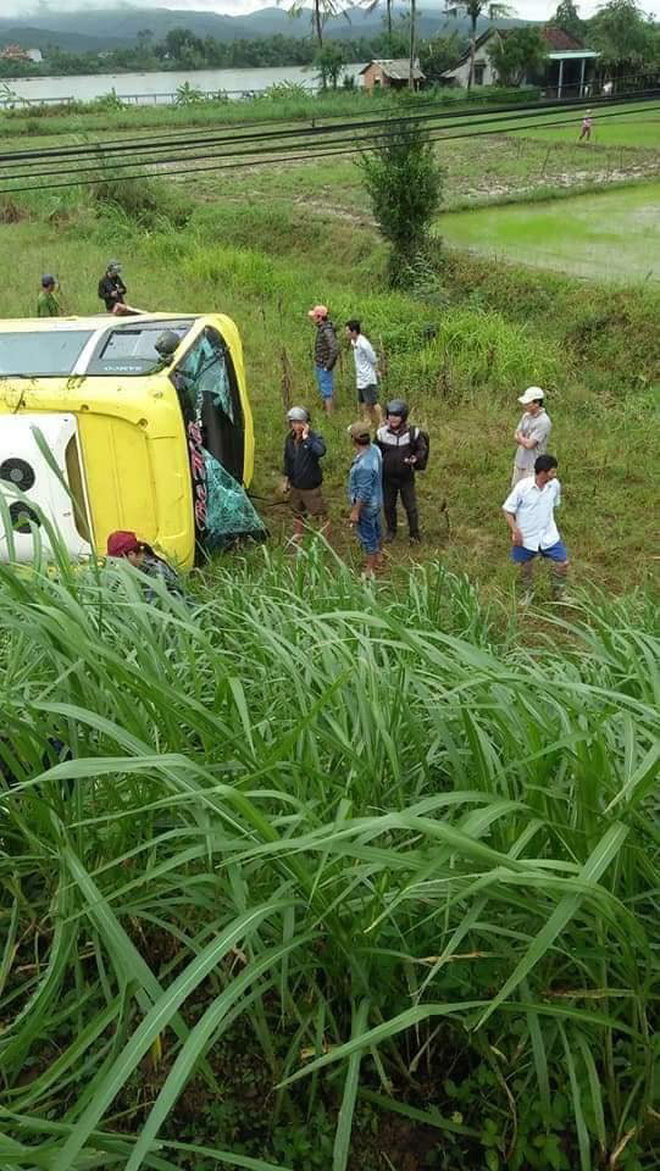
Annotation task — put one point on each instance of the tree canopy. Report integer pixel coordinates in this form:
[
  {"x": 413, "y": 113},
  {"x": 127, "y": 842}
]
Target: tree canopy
[
  {"x": 627, "y": 39},
  {"x": 518, "y": 55},
  {"x": 567, "y": 17}
]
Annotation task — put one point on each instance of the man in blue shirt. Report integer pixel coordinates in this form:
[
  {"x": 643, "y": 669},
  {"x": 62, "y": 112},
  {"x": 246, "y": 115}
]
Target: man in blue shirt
[{"x": 365, "y": 493}]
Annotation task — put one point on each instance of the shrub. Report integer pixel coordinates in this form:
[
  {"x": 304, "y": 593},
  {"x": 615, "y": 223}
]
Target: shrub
[
  {"x": 149, "y": 203},
  {"x": 403, "y": 180}
]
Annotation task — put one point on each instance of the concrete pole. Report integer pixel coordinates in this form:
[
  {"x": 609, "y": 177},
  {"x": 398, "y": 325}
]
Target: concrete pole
[
  {"x": 584, "y": 65},
  {"x": 560, "y": 78}
]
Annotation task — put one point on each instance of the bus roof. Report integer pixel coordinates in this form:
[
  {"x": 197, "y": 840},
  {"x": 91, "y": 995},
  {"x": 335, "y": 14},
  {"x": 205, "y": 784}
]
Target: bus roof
[{"x": 98, "y": 322}]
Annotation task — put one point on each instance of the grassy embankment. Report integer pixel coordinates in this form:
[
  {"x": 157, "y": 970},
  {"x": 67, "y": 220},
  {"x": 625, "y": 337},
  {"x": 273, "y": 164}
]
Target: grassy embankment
[{"x": 594, "y": 349}]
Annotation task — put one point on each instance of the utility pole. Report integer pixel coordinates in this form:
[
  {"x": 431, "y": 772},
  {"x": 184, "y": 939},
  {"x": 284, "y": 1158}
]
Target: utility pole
[{"x": 413, "y": 17}]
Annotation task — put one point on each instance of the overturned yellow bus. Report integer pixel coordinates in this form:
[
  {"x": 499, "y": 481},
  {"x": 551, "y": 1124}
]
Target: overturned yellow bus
[{"x": 147, "y": 436}]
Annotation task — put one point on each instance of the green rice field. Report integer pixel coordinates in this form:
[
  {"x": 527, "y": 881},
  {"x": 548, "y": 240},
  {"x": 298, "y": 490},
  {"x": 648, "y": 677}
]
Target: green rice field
[
  {"x": 638, "y": 128},
  {"x": 611, "y": 235}
]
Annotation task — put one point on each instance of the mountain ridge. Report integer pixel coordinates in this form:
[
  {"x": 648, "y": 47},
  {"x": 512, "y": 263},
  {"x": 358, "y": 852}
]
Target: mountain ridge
[{"x": 102, "y": 30}]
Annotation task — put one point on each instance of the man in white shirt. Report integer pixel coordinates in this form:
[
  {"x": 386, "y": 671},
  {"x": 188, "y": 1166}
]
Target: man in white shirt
[
  {"x": 529, "y": 510},
  {"x": 366, "y": 372},
  {"x": 531, "y": 434}
]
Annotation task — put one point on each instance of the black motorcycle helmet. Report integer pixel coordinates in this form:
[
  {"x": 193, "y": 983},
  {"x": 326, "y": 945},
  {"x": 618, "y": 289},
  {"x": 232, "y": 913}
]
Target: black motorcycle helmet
[
  {"x": 166, "y": 343},
  {"x": 397, "y": 407}
]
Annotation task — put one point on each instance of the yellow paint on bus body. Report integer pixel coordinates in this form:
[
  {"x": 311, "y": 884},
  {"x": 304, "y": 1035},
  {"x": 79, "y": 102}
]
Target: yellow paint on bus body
[{"x": 131, "y": 432}]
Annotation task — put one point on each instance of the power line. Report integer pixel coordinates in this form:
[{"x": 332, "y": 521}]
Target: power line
[
  {"x": 228, "y": 135},
  {"x": 97, "y": 150},
  {"x": 254, "y": 157},
  {"x": 381, "y": 130},
  {"x": 388, "y": 111}
]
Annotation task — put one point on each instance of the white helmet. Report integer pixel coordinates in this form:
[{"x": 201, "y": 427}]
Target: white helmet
[{"x": 298, "y": 415}]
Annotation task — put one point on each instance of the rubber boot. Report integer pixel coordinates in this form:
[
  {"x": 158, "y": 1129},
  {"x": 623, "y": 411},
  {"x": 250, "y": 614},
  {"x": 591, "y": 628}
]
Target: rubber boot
[
  {"x": 526, "y": 583},
  {"x": 557, "y": 585}
]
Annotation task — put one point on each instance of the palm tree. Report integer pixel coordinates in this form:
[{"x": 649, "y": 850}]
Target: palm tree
[
  {"x": 474, "y": 9},
  {"x": 389, "y": 22},
  {"x": 370, "y": 7},
  {"x": 322, "y": 10}
]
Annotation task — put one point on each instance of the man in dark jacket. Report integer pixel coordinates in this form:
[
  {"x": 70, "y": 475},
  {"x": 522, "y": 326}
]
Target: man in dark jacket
[
  {"x": 303, "y": 449},
  {"x": 402, "y": 447},
  {"x": 326, "y": 352},
  {"x": 112, "y": 289}
]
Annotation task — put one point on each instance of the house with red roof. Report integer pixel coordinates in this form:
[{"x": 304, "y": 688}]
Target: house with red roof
[{"x": 569, "y": 64}]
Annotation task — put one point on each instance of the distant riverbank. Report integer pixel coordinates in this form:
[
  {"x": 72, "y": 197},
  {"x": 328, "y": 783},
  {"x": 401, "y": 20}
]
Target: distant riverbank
[{"x": 161, "y": 85}]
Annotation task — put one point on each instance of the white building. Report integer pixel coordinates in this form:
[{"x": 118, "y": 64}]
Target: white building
[{"x": 569, "y": 68}]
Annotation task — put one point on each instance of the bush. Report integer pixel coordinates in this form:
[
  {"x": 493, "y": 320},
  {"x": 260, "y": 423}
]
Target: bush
[
  {"x": 106, "y": 103},
  {"x": 146, "y": 202},
  {"x": 476, "y": 351},
  {"x": 403, "y": 180}
]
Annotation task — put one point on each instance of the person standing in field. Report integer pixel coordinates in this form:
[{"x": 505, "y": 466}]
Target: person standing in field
[
  {"x": 48, "y": 304},
  {"x": 326, "y": 352},
  {"x": 366, "y": 372},
  {"x": 529, "y": 511},
  {"x": 303, "y": 477},
  {"x": 365, "y": 493},
  {"x": 112, "y": 289},
  {"x": 531, "y": 434},
  {"x": 403, "y": 448},
  {"x": 587, "y": 126}
]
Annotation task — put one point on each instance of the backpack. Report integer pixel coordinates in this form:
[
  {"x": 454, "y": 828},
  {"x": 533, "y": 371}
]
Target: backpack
[{"x": 422, "y": 461}]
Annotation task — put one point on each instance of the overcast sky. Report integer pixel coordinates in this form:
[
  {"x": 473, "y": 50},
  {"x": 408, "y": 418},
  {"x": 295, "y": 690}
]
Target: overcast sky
[{"x": 528, "y": 9}]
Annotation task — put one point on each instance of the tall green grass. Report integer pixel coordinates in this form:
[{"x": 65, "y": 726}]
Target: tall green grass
[{"x": 373, "y": 824}]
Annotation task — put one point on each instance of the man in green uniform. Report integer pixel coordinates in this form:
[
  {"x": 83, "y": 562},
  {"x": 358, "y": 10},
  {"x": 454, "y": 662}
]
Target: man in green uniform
[{"x": 47, "y": 302}]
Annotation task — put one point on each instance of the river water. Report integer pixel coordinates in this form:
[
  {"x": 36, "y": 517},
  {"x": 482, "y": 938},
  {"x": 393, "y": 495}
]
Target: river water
[{"x": 157, "y": 87}]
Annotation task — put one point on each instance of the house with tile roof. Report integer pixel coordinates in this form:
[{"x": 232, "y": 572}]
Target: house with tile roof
[
  {"x": 569, "y": 64},
  {"x": 390, "y": 74}
]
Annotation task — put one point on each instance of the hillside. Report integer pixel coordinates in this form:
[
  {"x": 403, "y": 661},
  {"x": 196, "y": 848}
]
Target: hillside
[{"x": 118, "y": 27}]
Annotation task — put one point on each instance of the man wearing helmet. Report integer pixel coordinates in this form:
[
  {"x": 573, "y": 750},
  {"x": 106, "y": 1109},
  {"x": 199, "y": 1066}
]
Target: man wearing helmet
[
  {"x": 303, "y": 450},
  {"x": 166, "y": 344},
  {"x": 402, "y": 447},
  {"x": 112, "y": 289}
]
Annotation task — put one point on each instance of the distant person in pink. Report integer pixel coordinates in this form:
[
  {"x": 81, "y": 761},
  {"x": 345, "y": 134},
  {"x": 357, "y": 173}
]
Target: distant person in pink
[{"x": 587, "y": 124}]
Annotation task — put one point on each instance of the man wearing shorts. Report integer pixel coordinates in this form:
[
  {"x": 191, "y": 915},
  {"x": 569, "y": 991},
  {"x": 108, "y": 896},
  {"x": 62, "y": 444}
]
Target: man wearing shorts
[
  {"x": 366, "y": 372},
  {"x": 365, "y": 493},
  {"x": 529, "y": 511},
  {"x": 303, "y": 449},
  {"x": 326, "y": 352}
]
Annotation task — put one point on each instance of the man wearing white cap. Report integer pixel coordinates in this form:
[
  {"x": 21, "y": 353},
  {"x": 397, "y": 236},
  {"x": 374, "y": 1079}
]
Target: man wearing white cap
[{"x": 531, "y": 435}]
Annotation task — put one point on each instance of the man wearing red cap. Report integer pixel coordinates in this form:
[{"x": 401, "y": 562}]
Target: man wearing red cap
[
  {"x": 126, "y": 544},
  {"x": 326, "y": 352}
]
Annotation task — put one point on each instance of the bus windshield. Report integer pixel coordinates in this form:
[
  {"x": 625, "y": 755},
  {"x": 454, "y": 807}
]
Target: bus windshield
[
  {"x": 131, "y": 349},
  {"x": 43, "y": 354}
]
